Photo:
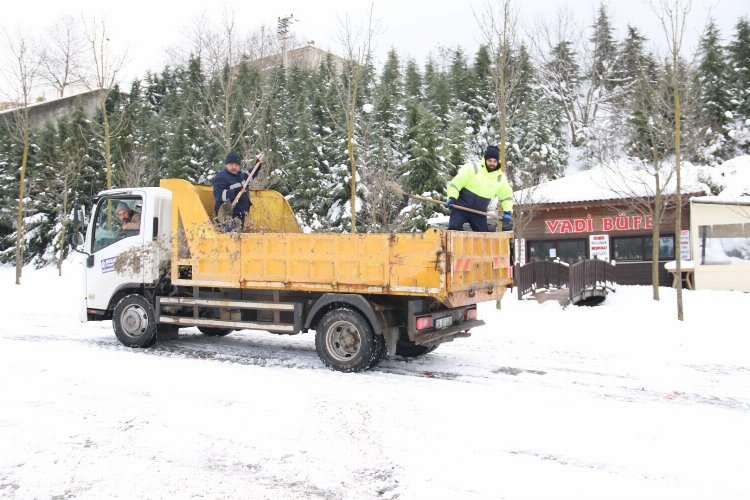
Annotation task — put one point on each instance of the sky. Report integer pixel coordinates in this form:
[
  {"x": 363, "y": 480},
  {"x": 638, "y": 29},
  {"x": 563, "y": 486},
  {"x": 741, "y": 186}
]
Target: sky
[{"x": 415, "y": 28}]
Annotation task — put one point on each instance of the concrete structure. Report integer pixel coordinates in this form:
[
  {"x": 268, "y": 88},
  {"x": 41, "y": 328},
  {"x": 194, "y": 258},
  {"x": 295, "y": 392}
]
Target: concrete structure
[
  {"x": 51, "y": 111},
  {"x": 308, "y": 57}
]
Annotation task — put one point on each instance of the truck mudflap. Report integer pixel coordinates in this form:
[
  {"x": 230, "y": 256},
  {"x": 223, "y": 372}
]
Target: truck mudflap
[{"x": 447, "y": 333}]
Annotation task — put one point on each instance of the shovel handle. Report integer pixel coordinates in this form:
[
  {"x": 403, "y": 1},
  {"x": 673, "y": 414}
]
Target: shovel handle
[
  {"x": 459, "y": 207},
  {"x": 247, "y": 181}
]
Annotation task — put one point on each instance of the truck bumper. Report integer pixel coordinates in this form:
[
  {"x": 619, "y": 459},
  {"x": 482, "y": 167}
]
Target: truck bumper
[{"x": 447, "y": 334}]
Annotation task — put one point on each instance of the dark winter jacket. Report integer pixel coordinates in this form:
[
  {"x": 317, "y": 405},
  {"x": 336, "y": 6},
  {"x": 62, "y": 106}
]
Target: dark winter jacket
[{"x": 226, "y": 187}]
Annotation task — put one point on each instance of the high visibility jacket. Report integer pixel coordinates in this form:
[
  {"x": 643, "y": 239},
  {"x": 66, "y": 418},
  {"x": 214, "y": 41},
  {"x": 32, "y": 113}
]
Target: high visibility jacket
[{"x": 474, "y": 187}]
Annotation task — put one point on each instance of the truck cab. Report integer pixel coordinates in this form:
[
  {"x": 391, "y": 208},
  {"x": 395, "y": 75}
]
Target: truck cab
[{"x": 125, "y": 259}]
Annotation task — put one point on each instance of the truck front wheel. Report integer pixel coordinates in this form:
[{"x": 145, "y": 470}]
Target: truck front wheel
[
  {"x": 134, "y": 321},
  {"x": 345, "y": 341}
]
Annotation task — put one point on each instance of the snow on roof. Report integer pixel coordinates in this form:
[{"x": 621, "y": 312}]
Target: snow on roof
[
  {"x": 733, "y": 176},
  {"x": 618, "y": 180}
]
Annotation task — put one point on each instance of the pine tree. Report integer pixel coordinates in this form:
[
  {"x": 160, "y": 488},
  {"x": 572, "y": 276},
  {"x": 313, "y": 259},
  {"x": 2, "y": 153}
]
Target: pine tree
[
  {"x": 536, "y": 149},
  {"x": 424, "y": 173},
  {"x": 631, "y": 62},
  {"x": 481, "y": 108},
  {"x": 437, "y": 91},
  {"x": 713, "y": 93},
  {"x": 604, "y": 51},
  {"x": 739, "y": 61}
]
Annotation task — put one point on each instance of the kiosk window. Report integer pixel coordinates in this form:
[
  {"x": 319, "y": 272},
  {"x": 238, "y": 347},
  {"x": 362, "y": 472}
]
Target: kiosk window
[
  {"x": 640, "y": 248},
  {"x": 566, "y": 250},
  {"x": 724, "y": 244}
]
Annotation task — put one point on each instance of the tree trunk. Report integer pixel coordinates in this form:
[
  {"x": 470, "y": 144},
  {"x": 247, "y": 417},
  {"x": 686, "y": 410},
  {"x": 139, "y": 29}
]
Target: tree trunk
[
  {"x": 64, "y": 226},
  {"x": 20, "y": 233},
  {"x": 678, "y": 188},
  {"x": 107, "y": 145},
  {"x": 350, "y": 147},
  {"x": 655, "y": 238}
]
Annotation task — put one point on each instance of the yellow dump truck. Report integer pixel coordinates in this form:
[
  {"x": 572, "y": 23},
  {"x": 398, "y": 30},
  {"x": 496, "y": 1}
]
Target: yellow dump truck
[{"x": 365, "y": 295}]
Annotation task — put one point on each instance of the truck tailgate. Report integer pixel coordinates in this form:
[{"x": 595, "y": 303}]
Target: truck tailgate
[{"x": 478, "y": 266}]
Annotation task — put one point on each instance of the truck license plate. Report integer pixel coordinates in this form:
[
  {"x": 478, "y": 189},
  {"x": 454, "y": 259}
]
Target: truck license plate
[{"x": 443, "y": 322}]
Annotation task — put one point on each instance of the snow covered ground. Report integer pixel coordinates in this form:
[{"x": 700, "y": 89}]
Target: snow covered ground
[{"x": 616, "y": 401}]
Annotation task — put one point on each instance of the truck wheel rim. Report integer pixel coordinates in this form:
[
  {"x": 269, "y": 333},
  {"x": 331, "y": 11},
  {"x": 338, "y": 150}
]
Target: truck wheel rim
[
  {"x": 343, "y": 340},
  {"x": 134, "y": 321}
]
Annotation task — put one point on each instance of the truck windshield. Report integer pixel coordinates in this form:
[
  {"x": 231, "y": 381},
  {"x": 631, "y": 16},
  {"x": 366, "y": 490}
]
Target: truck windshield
[{"x": 116, "y": 218}]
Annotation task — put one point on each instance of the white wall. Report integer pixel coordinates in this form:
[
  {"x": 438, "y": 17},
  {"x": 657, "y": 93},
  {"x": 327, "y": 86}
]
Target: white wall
[{"x": 717, "y": 276}]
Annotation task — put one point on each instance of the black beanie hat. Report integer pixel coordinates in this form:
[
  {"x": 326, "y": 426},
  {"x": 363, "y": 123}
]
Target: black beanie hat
[
  {"x": 233, "y": 157},
  {"x": 492, "y": 152}
]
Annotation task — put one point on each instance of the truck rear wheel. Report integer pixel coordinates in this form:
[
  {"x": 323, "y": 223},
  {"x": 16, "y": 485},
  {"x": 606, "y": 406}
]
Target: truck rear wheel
[
  {"x": 408, "y": 349},
  {"x": 214, "y": 332},
  {"x": 380, "y": 351},
  {"x": 345, "y": 341},
  {"x": 134, "y": 321}
]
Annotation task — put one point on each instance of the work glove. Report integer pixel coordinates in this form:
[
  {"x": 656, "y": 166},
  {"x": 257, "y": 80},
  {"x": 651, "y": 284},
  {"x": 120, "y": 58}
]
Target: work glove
[
  {"x": 507, "y": 222},
  {"x": 450, "y": 203}
]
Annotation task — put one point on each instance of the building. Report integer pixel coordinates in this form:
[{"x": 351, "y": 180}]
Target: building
[
  {"x": 720, "y": 229},
  {"x": 308, "y": 57},
  {"x": 42, "y": 113},
  {"x": 603, "y": 213}
]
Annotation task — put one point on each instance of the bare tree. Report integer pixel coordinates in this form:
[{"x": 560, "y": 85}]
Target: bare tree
[
  {"x": 672, "y": 15},
  {"x": 62, "y": 57},
  {"x": 21, "y": 74},
  {"x": 105, "y": 67},
  {"x": 357, "y": 46},
  {"x": 527, "y": 203},
  {"x": 229, "y": 105},
  {"x": 647, "y": 182},
  {"x": 139, "y": 168},
  {"x": 572, "y": 75},
  {"x": 498, "y": 24},
  {"x": 68, "y": 161}
]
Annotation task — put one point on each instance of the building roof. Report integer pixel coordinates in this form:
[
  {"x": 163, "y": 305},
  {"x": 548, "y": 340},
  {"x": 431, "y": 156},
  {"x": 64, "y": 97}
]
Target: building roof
[{"x": 619, "y": 180}]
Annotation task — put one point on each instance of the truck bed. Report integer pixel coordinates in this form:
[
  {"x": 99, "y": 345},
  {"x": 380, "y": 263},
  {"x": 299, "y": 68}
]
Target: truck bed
[{"x": 455, "y": 268}]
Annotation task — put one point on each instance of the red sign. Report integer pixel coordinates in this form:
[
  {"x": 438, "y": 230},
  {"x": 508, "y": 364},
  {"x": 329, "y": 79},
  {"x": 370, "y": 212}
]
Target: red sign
[{"x": 622, "y": 222}]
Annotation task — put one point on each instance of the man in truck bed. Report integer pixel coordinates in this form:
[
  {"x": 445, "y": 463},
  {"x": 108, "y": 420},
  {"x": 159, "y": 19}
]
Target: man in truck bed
[
  {"x": 228, "y": 183},
  {"x": 474, "y": 187}
]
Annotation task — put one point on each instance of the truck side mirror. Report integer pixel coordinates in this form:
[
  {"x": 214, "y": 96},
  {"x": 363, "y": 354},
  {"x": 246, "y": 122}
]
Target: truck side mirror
[
  {"x": 78, "y": 218},
  {"x": 77, "y": 239}
]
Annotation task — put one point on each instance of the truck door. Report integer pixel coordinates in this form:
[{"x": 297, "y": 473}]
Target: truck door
[{"x": 117, "y": 229}]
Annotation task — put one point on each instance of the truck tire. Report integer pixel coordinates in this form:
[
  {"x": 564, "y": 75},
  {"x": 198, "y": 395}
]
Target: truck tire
[
  {"x": 380, "y": 351},
  {"x": 408, "y": 349},
  {"x": 134, "y": 321},
  {"x": 214, "y": 332},
  {"x": 345, "y": 341}
]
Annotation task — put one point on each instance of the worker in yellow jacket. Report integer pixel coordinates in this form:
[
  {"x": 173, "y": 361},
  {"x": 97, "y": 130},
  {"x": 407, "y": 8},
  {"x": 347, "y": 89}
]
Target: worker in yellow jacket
[{"x": 474, "y": 187}]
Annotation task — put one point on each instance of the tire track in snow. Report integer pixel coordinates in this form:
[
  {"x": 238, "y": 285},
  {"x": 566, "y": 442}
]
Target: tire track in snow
[{"x": 265, "y": 352}]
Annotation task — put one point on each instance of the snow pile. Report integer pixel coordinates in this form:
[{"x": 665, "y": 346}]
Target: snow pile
[
  {"x": 616, "y": 401},
  {"x": 734, "y": 177}
]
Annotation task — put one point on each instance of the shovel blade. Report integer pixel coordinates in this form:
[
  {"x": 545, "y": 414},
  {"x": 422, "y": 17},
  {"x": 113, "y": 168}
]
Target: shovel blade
[{"x": 225, "y": 212}]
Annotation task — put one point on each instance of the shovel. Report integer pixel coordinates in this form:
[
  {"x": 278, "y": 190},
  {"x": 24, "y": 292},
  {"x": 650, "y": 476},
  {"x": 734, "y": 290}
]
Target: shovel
[
  {"x": 225, "y": 210},
  {"x": 392, "y": 186}
]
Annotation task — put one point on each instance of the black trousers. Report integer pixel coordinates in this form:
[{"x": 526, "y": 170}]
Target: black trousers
[{"x": 478, "y": 223}]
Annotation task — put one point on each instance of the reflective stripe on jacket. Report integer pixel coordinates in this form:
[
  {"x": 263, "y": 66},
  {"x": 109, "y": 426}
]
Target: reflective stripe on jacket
[
  {"x": 474, "y": 186},
  {"x": 226, "y": 187}
]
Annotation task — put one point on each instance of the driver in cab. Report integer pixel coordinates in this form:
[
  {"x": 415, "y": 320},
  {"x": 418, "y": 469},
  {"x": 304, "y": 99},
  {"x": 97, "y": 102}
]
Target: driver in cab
[{"x": 130, "y": 220}]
